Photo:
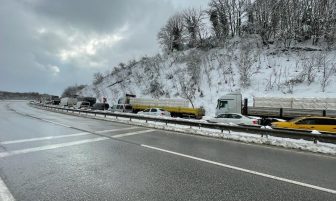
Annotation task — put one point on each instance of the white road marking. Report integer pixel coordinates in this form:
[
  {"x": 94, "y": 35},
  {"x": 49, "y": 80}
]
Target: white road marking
[
  {"x": 62, "y": 136},
  {"x": 48, "y": 147},
  {"x": 132, "y": 133},
  {"x": 245, "y": 170},
  {"x": 44, "y": 138},
  {"x": 112, "y": 130},
  {"x": 57, "y": 123},
  {"x": 66, "y": 144},
  {"x": 5, "y": 194}
]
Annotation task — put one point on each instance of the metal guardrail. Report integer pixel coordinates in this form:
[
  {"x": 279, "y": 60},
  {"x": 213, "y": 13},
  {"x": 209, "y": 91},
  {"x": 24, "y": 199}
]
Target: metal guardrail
[{"x": 283, "y": 133}]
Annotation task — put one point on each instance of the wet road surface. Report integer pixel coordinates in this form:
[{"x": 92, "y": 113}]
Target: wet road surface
[{"x": 51, "y": 156}]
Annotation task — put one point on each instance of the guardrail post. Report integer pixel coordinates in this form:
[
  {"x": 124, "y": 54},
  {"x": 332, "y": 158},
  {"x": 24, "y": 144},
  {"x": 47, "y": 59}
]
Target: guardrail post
[
  {"x": 245, "y": 109},
  {"x": 281, "y": 112},
  {"x": 315, "y": 140},
  {"x": 324, "y": 113}
]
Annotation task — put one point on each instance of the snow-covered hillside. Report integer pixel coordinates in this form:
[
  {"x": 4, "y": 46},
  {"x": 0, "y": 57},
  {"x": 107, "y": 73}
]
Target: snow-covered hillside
[{"x": 202, "y": 76}]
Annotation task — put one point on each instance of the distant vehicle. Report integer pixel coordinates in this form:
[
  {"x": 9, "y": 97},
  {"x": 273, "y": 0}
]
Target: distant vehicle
[
  {"x": 55, "y": 100},
  {"x": 234, "y": 118},
  {"x": 82, "y": 105},
  {"x": 324, "y": 124},
  {"x": 69, "y": 102},
  {"x": 155, "y": 112},
  {"x": 122, "y": 108},
  {"x": 91, "y": 100},
  {"x": 100, "y": 106}
]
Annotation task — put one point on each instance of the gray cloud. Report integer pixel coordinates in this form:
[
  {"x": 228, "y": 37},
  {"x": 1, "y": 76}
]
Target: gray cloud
[{"x": 46, "y": 45}]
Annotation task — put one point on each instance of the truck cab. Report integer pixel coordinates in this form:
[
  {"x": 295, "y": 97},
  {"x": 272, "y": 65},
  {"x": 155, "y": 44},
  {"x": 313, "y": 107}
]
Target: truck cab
[{"x": 230, "y": 103}]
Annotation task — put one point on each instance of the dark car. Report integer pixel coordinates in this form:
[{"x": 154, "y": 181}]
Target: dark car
[
  {"x": 100, "y": 106},
  {"x": 55, "y": 100},
  {"x": 91, "y": 100}
]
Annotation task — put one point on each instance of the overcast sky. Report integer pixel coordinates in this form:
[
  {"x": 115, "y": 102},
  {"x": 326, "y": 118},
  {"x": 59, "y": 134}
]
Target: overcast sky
[{"x": 47, "y": 45}]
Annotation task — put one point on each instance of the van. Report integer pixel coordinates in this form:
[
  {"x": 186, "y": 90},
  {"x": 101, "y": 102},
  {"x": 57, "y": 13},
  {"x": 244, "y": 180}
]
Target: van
[{"x": 122, "y": 108}]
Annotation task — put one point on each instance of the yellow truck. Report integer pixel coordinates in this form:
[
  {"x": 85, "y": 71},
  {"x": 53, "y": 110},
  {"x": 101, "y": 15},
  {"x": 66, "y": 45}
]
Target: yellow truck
[{"x": 177, "y": 107}]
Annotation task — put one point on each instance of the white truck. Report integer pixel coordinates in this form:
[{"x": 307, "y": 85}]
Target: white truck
[
  {"x": 230, "y": 103},
  {"x": 69, "y": 102},
  {"x": 277, "y": 106}
]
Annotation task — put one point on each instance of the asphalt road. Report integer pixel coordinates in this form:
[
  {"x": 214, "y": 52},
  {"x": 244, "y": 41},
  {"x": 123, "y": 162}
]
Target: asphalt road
[{"x": 51, "y": 156}]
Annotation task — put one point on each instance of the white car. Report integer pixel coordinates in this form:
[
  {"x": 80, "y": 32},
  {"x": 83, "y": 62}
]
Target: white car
[
  {"x": 155, "y": 112},
  {"x": 234, "y": 118},
  {"x": 82, "y": 105}
]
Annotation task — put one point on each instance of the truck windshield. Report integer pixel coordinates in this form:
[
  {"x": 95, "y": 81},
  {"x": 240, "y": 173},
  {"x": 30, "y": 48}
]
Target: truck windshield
[{"x": 222, "y": 104}]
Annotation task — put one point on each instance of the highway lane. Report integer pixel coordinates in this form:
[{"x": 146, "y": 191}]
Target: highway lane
[{"x": 60, "y": 157}]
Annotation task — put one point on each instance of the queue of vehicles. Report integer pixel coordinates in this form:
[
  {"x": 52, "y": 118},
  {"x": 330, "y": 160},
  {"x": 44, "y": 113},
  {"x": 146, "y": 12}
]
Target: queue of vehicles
[
  {"x": 228, "y": 111},
  {"x": 131, "y": 104}
]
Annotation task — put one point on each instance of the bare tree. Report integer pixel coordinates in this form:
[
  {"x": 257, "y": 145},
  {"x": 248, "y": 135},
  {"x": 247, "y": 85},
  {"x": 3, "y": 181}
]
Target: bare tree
[
  {"x": 97, "y": 78},
  {"x": 171, "y": 35},
  {"x": 187, "y": 89},
  {"x": 328, "y": 70},
  {"x": 246, "y": 61},
  {"x": 193, "y": 23},
  {"x": 219, "y": 19},
  {"x": 309, "y": 69}
]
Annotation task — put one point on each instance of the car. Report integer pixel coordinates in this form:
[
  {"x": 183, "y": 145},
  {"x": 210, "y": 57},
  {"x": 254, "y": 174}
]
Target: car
[
  {"x": 91, "y": 100},
  {"x": 234, "y": 118},
  {"x": 83, "y": 105},
  {"x": 155, "y": 112},
  {"x": 122, "y": 108},
  {"x": 323, "y": 124},
  {"x": 100, "y": 106}
]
